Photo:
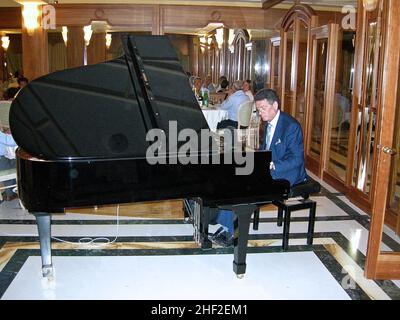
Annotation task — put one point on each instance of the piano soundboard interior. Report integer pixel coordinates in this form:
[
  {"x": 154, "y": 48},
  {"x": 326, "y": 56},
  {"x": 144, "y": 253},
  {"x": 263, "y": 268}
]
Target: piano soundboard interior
[{"x": 169, "y": 209}]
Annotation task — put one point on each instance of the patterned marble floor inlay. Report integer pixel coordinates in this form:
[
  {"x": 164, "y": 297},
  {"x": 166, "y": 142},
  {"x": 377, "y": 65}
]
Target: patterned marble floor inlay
[
  {"x": 189, "y": 277},
  {"x": 158, "y": 259}
]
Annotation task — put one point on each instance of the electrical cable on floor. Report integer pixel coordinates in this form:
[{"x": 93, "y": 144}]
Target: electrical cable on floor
[{"x": 96, "y": 242}]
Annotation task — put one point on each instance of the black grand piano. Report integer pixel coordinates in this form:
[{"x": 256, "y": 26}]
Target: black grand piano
[{"x": 82, "y": 142}]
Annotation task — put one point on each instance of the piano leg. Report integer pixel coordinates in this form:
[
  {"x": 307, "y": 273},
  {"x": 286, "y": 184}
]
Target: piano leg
[
  {"x": 242, "y": 217},
  {"x": 204, "y": 223},
  {"x": 43, "y": 221}
]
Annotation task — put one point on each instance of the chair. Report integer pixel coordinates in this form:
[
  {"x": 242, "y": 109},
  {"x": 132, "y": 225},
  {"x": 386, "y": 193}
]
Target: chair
[
  {"x": 302, "y": 190},
  {"x": 244, "y": 114},
  {"x": 4, "y": 113},
  {"x": 5, "y": 175},
  {"x": 253, "y": 132},
  {"x": 244, "y": 118}
]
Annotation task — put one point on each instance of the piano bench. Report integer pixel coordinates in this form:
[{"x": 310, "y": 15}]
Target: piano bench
[{"x": 298, "y": 200}]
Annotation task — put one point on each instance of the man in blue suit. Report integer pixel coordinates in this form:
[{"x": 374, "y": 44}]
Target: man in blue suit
[{"x": 284, "y": 137}]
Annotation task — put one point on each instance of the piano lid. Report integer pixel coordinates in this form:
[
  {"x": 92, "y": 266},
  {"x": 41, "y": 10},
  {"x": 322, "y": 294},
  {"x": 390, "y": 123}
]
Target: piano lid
[{"x": 105, "y": 110}]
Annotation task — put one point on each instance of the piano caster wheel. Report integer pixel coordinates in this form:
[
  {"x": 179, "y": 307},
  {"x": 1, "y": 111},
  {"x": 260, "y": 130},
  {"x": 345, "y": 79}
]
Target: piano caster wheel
[
  {"x": 240, "y": 276},
  {"x": 47, "y": 272}
]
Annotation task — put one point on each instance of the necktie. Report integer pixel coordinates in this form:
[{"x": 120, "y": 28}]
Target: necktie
[{"x": 268, "y": 136}]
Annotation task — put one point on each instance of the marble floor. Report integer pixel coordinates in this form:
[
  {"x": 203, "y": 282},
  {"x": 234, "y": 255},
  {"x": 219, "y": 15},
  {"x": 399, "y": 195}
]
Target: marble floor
[{"x": 158, "y": 259}]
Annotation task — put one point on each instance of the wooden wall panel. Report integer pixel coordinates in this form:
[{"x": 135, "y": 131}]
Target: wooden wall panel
[
  {"x": 135, "y": 16},
  {"x": 169, "y": 16},
  {"x": 15, "y": 43},
  {"x": 10, "y": 18},
  {"x": 180, "y": 17}
]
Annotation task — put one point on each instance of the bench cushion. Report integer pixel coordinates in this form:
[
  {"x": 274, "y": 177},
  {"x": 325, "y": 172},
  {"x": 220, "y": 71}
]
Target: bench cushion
[{"x": 304, "y": 189}]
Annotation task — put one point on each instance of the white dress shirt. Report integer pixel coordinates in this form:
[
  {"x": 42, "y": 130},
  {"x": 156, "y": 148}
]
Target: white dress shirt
[
  {"x": 274, "y": 123},
  {"x": 233, "y": 102}
]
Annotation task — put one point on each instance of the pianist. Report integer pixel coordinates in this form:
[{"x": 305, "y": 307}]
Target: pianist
[{"x": 284, "y": 138}]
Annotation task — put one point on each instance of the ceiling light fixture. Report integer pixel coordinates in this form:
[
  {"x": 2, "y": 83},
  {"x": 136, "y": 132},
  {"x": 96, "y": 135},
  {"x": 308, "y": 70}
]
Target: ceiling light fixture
[
  {"x": 64, "y": 33},
  {"x": 370, "y": 5},
  {"x": 219, "y": 37},
  {"x": 87, "y": 30},
  {"x": 108, "y": 40},
  {"x": 30, "y": 13},
  {"x": 230, "y": 40},
  {"x": 5, "y": 42}
]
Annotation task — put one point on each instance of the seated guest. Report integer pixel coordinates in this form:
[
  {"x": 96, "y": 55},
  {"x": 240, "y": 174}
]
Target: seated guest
[
  {"x": 13, "y": 79},
  {"x": 219, "y": 87},
  {"x": 22, "y": 82},
  {"x": 223, "y": 87},
  {"x": 10, "y": 93},
  {"x": 197, "y": 82},
  {"x": 284, "y": 138},
  {"x": 7, "y": 161},
  {"x": 247, "y": 89},
  {"x": 209, "y": 85},
  {"x": 191, "y": 81},
  {"x": 236, "y": 97}
]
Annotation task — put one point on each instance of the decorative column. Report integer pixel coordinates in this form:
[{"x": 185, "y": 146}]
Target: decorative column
[
  {"x": 75, "y": 47},
  {"x": 97, "y": 51},
  {"x": 157, "y": 27},
  {"x": 34, "y": 42},
  {"x": 194, "y": 55},
  {"x": 3, "y": 73}
]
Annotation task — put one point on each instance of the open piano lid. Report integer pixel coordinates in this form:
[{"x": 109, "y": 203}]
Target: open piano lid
[{"x": 105, "y": 110}]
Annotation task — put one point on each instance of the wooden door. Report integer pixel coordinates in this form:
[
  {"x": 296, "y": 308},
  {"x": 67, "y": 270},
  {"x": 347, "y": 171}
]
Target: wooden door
[
  {"x": 392, "y": 217},
  {"x": 385, "y": 265},
  {"x": 323, "y": 76},
  {"x": 295, "y": 61},
  {"x": 366, "y": 103}
]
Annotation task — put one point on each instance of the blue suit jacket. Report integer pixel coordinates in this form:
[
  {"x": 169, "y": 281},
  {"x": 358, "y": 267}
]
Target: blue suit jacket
[{"x": 287, "y": 148}]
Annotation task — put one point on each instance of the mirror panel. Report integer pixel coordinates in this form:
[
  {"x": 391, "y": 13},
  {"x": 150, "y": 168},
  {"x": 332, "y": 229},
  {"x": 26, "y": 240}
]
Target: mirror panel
[
  {"x": 340, "y": 122},
  {"x": 275, "y": 75},
  {"x": 301, "y": 73},
  {"x": 365, "y": 146},
  {"x": 318, "y": 96},
  {"x": 288, "y": 69}
]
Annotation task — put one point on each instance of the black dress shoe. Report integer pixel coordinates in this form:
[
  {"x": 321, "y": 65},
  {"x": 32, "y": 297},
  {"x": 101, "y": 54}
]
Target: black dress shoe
[
  {"x": 223, "y": 239},
  {"x": 219, "y": 230},
  {"x": 10, "y": 197}
]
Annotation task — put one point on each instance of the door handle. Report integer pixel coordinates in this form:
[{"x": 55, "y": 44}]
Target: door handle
[{"x": 389, "y": 150}]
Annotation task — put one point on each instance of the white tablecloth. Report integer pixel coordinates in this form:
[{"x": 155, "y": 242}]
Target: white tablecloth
[{"x": 213, "y": 116}]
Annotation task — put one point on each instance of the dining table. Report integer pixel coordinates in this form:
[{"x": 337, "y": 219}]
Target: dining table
[{"x": 214, "y": 114}]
